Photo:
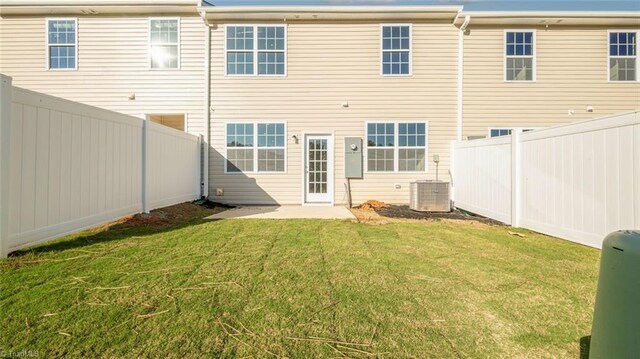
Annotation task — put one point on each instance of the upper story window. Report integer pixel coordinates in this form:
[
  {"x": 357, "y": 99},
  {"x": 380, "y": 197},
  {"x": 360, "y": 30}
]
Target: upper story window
[
  {"x": 164, "y": 38},
  {"x": 255, "y": 147},
  {"x": 623, "y": 56},
  {"x": 396, "y": 49},
  {"x": 62, "y": 44},
  {"x": 519, "y": 56},
  {"x": 252, "y": 50},
  {"x": 396, "y": 147}
]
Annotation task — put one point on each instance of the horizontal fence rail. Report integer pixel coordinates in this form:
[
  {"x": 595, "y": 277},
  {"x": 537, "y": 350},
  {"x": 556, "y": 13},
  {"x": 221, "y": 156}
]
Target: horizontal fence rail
[
  {"x": 67, "y": 166},
  {"x": 578, "y": 182}
]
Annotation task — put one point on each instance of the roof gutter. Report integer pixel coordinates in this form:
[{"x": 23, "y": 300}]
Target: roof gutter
[
  {"x": 564, "y": 18},
  {"x": 311, "y": 13}
]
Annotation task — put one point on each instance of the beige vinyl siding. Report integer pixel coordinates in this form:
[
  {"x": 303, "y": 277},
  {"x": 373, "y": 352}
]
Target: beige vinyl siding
[
  {"x": 113, "y": 63},
  {"x": 571, "y": 74},
  {"x": 329, "y": 64}
]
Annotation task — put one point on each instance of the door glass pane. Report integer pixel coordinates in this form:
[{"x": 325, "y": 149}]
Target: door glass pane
[{"x": 317, "y": 166}]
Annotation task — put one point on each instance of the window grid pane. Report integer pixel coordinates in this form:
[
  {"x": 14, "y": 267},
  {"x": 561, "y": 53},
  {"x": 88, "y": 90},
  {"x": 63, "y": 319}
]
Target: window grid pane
[
  {"x": 62, "y": 32},
  {"x": 164, "y": 31},
  {"x": 240, "y": 38},
  {"x": 270, "y": 160},
  {"x": 622, "y": 56},
  {"x": 519, "y": 69},
  {"x": 380, "y": 160},
  {"x": 411, "y": 159},
  {"x": 411, "y": 135},
  {"x": 396, "y": 46},
  {"x": 240, "y": 135},
  {"x": 62, "y": 57},
  {"x": 240, "y": 63},
  {"x": 270, "y": 63},
  {"x": 519, "y": 56},
  {"x": 239, "y": 160},
  {"x": 271, "y": 38}
]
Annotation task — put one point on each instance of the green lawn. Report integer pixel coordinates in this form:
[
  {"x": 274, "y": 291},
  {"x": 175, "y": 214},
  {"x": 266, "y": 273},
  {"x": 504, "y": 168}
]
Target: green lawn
[{"x": 300, "y": 289}]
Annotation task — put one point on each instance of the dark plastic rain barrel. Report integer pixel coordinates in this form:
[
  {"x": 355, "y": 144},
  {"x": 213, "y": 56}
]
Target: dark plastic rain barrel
[{"x": 616, "y": 319}]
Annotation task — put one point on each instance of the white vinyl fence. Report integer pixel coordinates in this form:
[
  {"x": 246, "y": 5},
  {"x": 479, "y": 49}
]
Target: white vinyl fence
[
  {"x": 578, "y": 182},
  {"x": 66, "y": 166}
]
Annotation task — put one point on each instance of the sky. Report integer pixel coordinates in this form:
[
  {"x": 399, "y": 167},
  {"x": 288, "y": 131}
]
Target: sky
[{"x": 469, "y": 5}]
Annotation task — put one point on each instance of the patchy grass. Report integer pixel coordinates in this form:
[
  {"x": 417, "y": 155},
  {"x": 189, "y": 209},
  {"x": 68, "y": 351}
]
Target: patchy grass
[{"x": 299, "y": 288}]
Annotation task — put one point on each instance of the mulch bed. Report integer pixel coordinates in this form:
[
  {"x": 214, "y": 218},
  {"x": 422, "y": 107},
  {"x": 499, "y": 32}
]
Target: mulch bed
[{"x": 404, "y": 212}]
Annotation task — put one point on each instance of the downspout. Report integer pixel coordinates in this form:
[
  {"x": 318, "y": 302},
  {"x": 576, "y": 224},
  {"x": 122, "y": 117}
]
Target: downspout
[
  {"x": 207, "y": 105},
  {"x": 463, "y": 28}
]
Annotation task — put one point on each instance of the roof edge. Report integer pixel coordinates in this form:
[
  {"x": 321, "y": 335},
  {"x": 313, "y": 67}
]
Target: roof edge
[
  {"x": 64, "y": 3},
  {"x": 548, "y": 14},
  {"x": 325, "y": 13}
]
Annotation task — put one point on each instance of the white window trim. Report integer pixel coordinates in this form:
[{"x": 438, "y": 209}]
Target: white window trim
[
  {"x": 533, "y": 56},
  {"x": 637, "y": 56},
  {"x": 48, "y": 50},
  {"x": 532, "y": 128},
  {"x": 382, "y": 50},
  {"x": 396, "y": 146},
  {"x": 256, "y": 51},
  {"x": 255, "y": 148},
  {"x": 149, "y": 45}
]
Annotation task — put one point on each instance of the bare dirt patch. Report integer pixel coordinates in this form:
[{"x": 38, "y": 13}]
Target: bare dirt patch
[{"x": 168, "y": 216}]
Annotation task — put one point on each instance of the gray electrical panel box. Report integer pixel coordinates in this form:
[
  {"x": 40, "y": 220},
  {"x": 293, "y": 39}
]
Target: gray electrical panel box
[{"x": 353, "y": 157}]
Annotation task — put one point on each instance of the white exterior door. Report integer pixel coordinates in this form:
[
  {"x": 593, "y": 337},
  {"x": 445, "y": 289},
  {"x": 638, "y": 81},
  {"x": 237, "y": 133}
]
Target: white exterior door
[{"x": 318, "y": 169}]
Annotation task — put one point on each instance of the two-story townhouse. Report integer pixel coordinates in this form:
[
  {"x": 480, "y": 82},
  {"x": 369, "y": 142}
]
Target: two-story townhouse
[
  {"x": 529, "y": 70},
  {"x": 289, "y": 84},
  {"x": 138, "y": 57}
]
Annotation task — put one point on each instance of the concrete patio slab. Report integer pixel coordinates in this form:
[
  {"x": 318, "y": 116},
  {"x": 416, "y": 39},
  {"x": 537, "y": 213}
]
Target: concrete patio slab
[{"x": 286, "y": 212}]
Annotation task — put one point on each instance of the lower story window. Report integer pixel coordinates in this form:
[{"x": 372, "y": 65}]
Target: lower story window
[
  {"x": 396, "y": 147},
  {"x": 497, "y": 132},
  {"x": 255, "y": 147}
]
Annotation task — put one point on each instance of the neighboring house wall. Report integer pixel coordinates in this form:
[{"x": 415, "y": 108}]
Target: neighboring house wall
[
  {"x": 330, "y": 64},
  {"x": 113, "y": 63},
  {"x": 571, "y": 74}
]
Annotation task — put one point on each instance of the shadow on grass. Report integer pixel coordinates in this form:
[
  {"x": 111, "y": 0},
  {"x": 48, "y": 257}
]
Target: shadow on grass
[
  {"x": 585, "y": 344},
  {"x": 140, "y": 225}
]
